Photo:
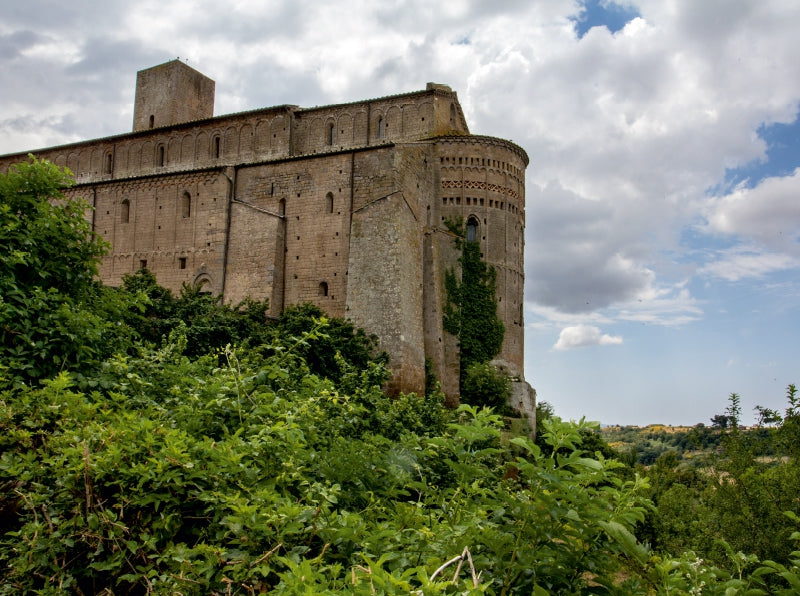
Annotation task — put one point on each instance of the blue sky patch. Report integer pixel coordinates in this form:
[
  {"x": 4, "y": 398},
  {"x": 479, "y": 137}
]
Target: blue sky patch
[
  {"x": 782, "y": 156},
  {"x": 603, "y": 13}
]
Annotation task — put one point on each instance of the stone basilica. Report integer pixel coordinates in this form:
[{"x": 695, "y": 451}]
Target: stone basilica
[{"x": 340, "y": 205}]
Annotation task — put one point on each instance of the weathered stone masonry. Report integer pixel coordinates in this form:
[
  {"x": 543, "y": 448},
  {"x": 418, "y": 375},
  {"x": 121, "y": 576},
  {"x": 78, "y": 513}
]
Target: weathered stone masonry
[{"x": 343, "y": 206}]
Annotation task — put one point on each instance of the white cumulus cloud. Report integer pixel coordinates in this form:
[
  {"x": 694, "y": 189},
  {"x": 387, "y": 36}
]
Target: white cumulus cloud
[{"x": 579, "y": 336}]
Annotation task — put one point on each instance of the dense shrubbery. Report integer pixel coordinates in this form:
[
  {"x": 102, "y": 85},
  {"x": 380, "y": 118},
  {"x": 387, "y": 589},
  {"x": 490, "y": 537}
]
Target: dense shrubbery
[
  {"x": 212, "y": 325},
  {"x": 484, "y": 385},
  {"x": 171, "y": 463},
  {"x": 183, "y": 475},
  {"x": 50, "y": 307},
  {"x": 734, "y": 497}
]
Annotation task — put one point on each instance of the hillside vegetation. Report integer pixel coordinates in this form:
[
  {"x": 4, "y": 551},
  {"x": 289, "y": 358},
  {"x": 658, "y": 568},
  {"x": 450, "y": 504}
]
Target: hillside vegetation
[{"x": 154, "y": 444}]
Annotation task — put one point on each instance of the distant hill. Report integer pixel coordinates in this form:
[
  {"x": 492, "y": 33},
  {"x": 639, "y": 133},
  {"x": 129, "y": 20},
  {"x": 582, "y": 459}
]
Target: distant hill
[{"x": 645, "y": 444}]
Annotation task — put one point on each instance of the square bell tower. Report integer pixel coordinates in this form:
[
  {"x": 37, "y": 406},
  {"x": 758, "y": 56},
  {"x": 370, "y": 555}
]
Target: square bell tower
[{"x": 171, "y": 93}]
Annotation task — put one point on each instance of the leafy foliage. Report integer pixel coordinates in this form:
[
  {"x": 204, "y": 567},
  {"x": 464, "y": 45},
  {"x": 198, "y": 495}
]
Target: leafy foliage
[
  {"x": 210, "y": 324},
  {"x": 735, "y": 500},
  {"x": 484, "y": 385},
  {"x": 470, "y": 313},
  {"x": 49, "y": 303},
  {"x": 181, "y": 475},
  {"x": 46, "y": 241},
  {"x": 341, "y": 338},
  {"x": 471, "y": 309}
]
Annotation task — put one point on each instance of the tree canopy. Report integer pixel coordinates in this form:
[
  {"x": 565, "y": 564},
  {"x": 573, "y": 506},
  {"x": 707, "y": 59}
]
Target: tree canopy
[{"x": 48, "y": 261}]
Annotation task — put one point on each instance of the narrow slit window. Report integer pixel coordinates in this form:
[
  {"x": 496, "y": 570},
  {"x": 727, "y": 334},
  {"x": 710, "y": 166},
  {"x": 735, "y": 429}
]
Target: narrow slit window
[
  {"x": 323, "y": 288},
  {"x": 186, "y": 205},
  {"x": 125, "y": 211}
]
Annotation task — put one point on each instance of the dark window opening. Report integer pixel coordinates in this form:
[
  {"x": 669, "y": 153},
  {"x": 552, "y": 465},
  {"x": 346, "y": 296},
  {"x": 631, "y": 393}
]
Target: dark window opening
[
  {"x": 143, "y": 264},
  {"x": 152, "y": 121},
  {"x": 160, "y": 156},
  {"x": 186, "y": 205},
  {"x": 125, "y": 211},
  {"x": 182, "y": 262},
  {"x": 331, "y": 134},
  {"x": 329, "y": 202},
  {"x": 323, "y": 288},
  {"x": 472, "y": 229},
  {"x": 215, "y": 146},
  {"x": 109, "y": 163}
]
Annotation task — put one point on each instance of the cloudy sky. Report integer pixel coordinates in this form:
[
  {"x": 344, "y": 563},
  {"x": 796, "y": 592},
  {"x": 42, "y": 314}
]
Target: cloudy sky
[{"x": 663, "y": 195}]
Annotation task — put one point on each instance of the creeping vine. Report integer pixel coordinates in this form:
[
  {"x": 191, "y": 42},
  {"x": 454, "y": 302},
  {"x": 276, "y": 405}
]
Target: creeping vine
[{"x": 470, "y": 310}]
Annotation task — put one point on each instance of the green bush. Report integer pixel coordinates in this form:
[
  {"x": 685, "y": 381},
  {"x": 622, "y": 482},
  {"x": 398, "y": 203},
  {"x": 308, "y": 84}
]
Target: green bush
[
  {"x": 484, "y": 385},
  {"x": 180, "y": 475},
  {"x": 50, "y": 306}
]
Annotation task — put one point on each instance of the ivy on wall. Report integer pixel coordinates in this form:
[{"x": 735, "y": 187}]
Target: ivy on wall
[{"x": 470, "y": 310}]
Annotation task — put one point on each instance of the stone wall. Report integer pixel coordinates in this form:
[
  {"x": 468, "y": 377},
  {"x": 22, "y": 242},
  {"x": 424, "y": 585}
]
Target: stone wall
[
  {"x": 343, "y": 206},
  {"x": 482, "y": 178},
  {"x": 385, "y": 286},
  {"x": 440, "y": 347},
  {"x": 171, "y": 93},
  {"x": 174, "y": 225}
]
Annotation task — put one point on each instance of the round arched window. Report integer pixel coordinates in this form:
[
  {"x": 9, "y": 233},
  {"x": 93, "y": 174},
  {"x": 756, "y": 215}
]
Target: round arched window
[{"x": 472, "y": 229}]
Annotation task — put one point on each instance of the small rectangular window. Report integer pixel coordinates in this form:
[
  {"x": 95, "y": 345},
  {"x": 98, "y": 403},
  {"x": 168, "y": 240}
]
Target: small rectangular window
[
  {"x": 143, "y": 264},
  {"x": 182, "y": 262}
]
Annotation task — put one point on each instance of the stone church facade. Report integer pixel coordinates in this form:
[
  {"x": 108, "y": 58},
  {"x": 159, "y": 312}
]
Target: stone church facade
[{"x": 343, "y": 206}]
